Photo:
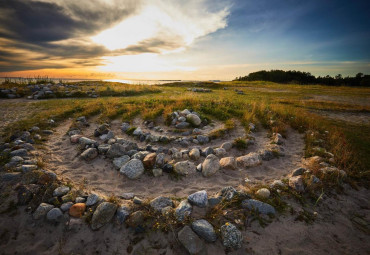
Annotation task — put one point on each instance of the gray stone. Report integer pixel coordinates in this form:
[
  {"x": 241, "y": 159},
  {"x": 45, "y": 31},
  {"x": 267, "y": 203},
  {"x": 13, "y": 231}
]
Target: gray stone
[
  {"x": 160, "y": 202},
  {"x": 213, "y": 201},
  {"x": 116, "y": 150},
  {"x": 42, "y": 210},
  {"x": 137, "y": 132},
  {"x": 266, "y": 154},
  {"x": 182, "y": 125},
  {"x": 197, "y": 131},
  {"x": 92, "y": 199},
  {"x": 202, "y": 139},
  {"x": 80, "y": 200},
  {"x": 192, "y": 243},
  {"x": 140, "y": 155},
  {"x": 119, "y": 162},
  {"x": 19, "y": 152},
  {"x": 65, "y": 207},
  {"x": 28, "y": 168},
  {"x": 61, "y": 191},
  {"x": 207, "y": 151},
  {"x": 127, "y": 195},
  {"x": 160, "y": 160},
  {"x": 185, "y": 112},
  {"x": 231, "y": 236},
  {"x": 199, "y": 198},
  {"x": 103, "y": 214},
  {"x": 133, "y": 169},
  {"x": 122, "y": 213},
  {"x": 261, "y": 207},
  {"x": 185, "y": 167},
  {"x": 182, "y": 119},
  {"x": 54, "y": 215},
  {"x": 199, "y": 167},
  {"x": 228, "y": 192},
  {"x": 125, "y": 126},
  {"x": 183, "y": 210},
  {"x": 16, "y": 159},
  {"x": 220, "y": 152},
  {"x": 210, "y": 165},
  {"x": 249, "y": 160},
  {"x": 298, "y": 171},
  {"x": 277, "y": 184},
  {"x": 205, "y": 230},
  {"x": 193, "y": 119},
  {"x": 84, "y": 141},
  {"x": 7, "y": 177},
  {"x": 89, "y": 154}
]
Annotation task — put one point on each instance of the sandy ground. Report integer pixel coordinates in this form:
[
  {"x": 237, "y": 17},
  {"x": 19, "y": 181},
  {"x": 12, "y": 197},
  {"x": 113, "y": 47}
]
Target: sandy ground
[
  {"x": 354, "y": 117},
  {"x": 101, "y": 177},
  {"x": 355, "y": 100},
  {"x": 342, "y": 227},
  {"x": 13, "y": 110}
]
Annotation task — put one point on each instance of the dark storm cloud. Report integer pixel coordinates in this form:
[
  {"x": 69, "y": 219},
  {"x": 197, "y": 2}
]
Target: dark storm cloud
[{"x": 37, "y": 27}]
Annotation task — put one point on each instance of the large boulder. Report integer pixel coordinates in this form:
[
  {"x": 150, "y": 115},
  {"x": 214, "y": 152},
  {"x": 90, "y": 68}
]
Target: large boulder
[
  {"x": 231, "y": 237},
  {"x": 205, "y": 230},
  {"x": 193, "y": 119},
  {"x": 249, "y": 160},
  {"x": 185, "y": 167},
  {"x": 192, "y": 243},
  {"x": 228, "y": 163},
  {"x": 210, "y": 165},
  {"x": 132, "y": 169},
  {"x": 103, "y": 214}
]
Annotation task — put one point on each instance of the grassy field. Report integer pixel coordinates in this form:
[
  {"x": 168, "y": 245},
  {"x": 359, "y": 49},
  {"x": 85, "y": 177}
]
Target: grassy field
[{"x": 273, "y": 106}]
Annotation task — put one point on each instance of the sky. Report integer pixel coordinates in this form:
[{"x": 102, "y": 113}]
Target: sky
[{"x": 177, "y": 39}]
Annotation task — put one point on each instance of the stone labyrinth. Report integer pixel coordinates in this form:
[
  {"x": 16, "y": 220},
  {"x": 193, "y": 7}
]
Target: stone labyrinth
[{"x": 173, "y": 157}]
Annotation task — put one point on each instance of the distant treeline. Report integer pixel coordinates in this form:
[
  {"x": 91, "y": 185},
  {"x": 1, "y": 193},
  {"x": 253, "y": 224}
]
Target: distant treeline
[{"x": 299, "y": 77}]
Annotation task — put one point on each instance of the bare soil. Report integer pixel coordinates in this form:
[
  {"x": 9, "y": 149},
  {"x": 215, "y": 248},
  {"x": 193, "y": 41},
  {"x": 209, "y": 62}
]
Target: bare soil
[{"x": 101, "y": 177}]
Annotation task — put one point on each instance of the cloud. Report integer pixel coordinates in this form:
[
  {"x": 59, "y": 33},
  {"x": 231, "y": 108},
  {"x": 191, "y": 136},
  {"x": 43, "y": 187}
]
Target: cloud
[{"x": 68, "y": 33}]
